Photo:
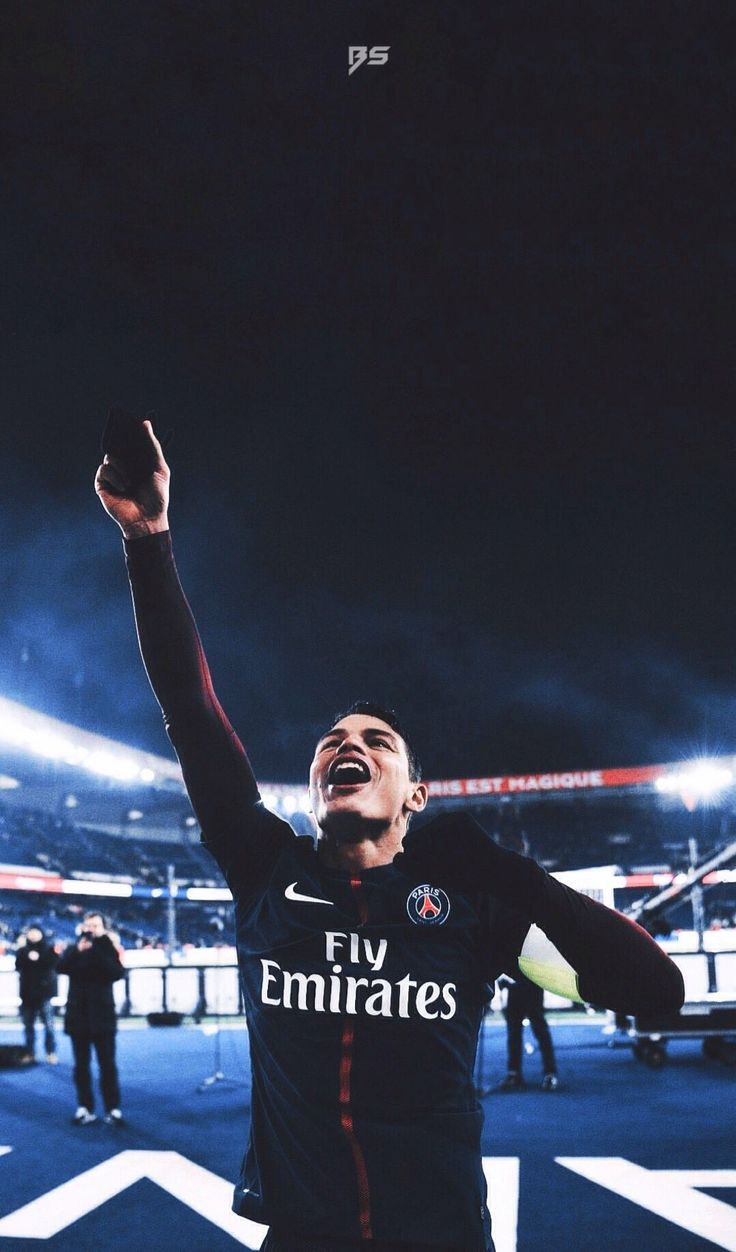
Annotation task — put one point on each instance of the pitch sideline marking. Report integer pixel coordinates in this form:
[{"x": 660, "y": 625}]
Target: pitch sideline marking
[
  {"x": 502, "y": 1176},
  {"x": 57, "y": 1209},
  {"x": 201, "y": 1190},
  {"x": 670, "y": 1193}
]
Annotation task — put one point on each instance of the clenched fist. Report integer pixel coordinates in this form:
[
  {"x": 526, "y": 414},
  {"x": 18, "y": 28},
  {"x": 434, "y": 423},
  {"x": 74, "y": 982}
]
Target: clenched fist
[{"x": 140, "y": 509}]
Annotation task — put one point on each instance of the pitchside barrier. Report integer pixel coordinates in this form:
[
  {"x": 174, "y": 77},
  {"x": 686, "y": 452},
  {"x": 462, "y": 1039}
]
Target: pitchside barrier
[
  {"x": 204, "y": 982},
  {"x": 194, "y": 990}
]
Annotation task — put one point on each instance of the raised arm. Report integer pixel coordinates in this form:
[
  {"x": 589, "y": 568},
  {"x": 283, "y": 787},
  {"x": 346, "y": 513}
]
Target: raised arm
[{"x": 217, "y": 773}]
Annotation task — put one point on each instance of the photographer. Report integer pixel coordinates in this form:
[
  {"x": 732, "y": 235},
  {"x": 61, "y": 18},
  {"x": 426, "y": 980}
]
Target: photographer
[
  {"x": 36, "y": 962},
  {"x": 93, "y": 965}
]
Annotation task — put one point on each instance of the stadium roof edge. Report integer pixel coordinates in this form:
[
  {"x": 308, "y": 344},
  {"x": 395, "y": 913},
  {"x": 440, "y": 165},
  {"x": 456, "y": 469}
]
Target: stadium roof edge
[{"x": 25, "y": 729}]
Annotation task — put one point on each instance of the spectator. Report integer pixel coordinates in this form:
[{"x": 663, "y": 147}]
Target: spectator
[
  {"x": 526, "y": 1003},
  {"x": 36, "y": 963},
  {"x": 93, "y": 965}
]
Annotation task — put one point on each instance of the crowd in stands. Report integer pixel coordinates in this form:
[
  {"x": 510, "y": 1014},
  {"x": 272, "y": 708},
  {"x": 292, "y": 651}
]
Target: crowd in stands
[
  {"x": 636, "y": 835},
  {"x": 34, "y": 837}
]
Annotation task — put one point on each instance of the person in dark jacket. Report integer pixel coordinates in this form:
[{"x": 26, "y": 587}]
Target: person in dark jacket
[
  {"x": 93, "y": 965},
  {"x": 36, "y": 962},
  {"x": 525, "y": 999},
  {"x": 525, "y": 1003}
]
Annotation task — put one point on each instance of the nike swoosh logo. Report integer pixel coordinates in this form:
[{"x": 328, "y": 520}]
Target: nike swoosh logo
[{"x": 292, "y": 894}]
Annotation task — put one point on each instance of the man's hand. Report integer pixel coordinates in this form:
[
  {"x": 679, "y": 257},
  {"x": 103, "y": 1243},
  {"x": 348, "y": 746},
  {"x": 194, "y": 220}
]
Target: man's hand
[{"x": 140, "y": 512}]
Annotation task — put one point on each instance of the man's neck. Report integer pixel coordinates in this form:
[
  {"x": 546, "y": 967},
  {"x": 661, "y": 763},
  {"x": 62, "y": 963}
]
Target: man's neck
[{"x": 356, "y": 855}]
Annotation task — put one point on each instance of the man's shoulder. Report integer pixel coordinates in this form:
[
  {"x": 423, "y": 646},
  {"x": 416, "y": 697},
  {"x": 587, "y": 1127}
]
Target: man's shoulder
[{"x": 450, "y": 822}]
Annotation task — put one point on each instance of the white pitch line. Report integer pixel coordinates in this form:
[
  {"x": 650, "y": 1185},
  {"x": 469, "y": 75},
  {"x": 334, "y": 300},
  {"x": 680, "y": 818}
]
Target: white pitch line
[
  {"x": 667, "y": 1192},
  {"x": 204, "y": 1192},
  {"x": 502, "y": 1176}
]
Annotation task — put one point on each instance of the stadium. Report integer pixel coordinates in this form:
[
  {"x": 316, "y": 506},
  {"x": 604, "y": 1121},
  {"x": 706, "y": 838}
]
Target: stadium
[
  {"x": 628, "y": 1153},
  {"x": 430, "y": 304}
]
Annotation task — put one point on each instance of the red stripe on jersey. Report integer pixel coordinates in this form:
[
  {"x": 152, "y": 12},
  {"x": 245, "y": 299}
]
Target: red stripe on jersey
[
  {"x": 346, "y": 1122},
  {"x": 346, "y": 1112}
]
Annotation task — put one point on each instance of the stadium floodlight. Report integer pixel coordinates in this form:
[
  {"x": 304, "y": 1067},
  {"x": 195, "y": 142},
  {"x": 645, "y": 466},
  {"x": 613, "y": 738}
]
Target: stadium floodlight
[
  {"x": 289, "y": 804},
  {"x": 270, "y": 800},
  {"x": 701, "y": 779},
  {"x": 7, "y": 783},
  {"x": 56, "y": 747},
  {"x": 12, "y": 729},
  {"x": 134, "y": 815},
  {"x": 28, "y": 730},
  {"x": 112, "y": 766}
]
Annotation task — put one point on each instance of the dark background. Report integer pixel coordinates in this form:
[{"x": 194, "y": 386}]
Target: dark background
[{"x": 447, "y": 347}]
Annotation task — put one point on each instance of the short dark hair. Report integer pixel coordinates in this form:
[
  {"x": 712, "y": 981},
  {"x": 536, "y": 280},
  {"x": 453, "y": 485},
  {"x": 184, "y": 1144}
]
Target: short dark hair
[{"x": 369, "y": 708}]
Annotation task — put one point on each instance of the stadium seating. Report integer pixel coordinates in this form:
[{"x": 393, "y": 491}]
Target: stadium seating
[{"x": 561, "y": 835}]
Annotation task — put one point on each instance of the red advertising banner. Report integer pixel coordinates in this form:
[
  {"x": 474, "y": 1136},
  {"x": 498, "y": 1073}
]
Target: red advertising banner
[
  {"x": 570, "y": 780},
  {"x": 30, "y": 882}
]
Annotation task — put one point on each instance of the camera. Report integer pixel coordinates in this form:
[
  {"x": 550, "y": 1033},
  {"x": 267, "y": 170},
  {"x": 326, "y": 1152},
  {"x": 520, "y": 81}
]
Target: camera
[{"x": 86, "y": 934}]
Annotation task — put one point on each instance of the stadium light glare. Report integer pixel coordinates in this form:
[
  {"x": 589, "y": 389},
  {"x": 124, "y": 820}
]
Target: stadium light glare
[
  {"x": 289, "y": 804},
  {"x": 46, "y": 743},
  {"x": 134, "y": 815},
  {"x": 7, "y": 783},
  {"x": 120, "y": 767},
  {"x": 702, "y": 779},
  {"x": 12, "y": 729},
  {"x": 30, "y": 731},
  {"x": 270, "y": 800},
  {"x": 76, "y": 755}
]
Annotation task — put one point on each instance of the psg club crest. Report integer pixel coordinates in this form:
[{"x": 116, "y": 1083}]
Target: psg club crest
[{"x": 428, "y": 906}]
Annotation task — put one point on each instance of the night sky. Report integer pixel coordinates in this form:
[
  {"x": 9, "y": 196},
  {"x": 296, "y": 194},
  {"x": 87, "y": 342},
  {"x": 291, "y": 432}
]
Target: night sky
[{"x": 447, "y": 346}]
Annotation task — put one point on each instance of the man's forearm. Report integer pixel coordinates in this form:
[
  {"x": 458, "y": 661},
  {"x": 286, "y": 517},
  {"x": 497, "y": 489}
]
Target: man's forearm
[
  {"x": 218, "y": 776},
  {"x": 618, "y": 965},
  {"x": 169, "y": 641}
]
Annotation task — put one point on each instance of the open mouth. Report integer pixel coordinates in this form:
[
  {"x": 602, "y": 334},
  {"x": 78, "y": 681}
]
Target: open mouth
[{"x": 349, "y": 772}]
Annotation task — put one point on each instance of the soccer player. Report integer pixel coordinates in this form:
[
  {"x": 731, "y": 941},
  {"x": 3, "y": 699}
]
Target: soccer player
[{"x": 364, "y": 967}]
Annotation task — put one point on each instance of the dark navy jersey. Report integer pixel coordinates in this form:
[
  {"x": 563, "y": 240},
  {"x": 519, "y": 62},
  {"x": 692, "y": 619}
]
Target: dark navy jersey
[
  {"x": 364, "y": 996},
  {"x": 363, "y": 993}
]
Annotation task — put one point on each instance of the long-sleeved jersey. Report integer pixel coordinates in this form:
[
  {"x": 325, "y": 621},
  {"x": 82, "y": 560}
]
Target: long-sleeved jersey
[{"x": 363, "y": 993}]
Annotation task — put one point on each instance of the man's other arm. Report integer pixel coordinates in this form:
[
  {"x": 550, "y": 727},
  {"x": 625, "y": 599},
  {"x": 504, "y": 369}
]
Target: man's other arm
[{"x": 586, "y": 951}]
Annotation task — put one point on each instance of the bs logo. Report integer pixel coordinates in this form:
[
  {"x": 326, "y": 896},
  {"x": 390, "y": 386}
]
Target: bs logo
[
  {"x": 358, "y": 55},
  {"x": 428, "y": 906}
]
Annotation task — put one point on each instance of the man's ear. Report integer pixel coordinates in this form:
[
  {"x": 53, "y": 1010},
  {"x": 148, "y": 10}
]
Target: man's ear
[{"x": 418, "y": 798}]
